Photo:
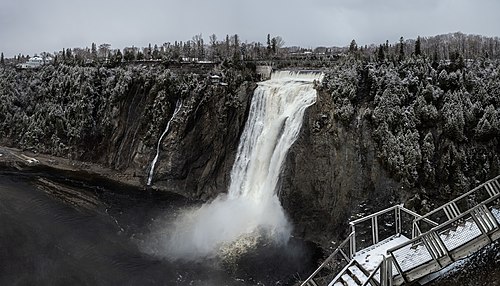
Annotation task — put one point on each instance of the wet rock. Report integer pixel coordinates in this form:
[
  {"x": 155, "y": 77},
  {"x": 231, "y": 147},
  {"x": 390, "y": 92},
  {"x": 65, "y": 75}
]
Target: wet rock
[{"x": 328, "y": 172}]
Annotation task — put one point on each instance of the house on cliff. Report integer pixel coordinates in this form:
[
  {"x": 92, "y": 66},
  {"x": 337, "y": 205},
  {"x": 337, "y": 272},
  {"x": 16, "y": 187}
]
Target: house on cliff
[{"x": 34, "y": 62}]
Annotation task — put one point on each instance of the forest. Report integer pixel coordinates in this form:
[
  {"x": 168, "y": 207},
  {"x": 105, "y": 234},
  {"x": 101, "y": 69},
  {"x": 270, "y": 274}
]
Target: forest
[{"x": 436, "y": 123}]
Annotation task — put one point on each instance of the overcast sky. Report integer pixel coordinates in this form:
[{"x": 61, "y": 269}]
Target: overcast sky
[{"x": 33, "y": 26}]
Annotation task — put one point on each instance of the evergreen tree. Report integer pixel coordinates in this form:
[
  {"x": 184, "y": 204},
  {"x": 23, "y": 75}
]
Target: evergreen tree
[
  {"x": 140, "y": 56},
  {"x": 237, "y": 49},
  {"x": 149, "y": 52},
  {"x": 353, "y": 47},
  {"x": 214, "y": 46},
  {"x": 156, "y": 52},
  {"x": 401, "y": 49},
  {"x": 2, "y": 61},
  {"x": 418, "y": 50},
  {"x": 128, "y": 54},
  {"x": 115, "y": 59},
  {"x": 268, "y": 43},
  {"x": 69, "y": 55},
  {"x": 94, "y": 51},
  {"x": 273, "y": 45},
  {"x": 381, "y": 54},
  {"x": 228, "y": 46}
]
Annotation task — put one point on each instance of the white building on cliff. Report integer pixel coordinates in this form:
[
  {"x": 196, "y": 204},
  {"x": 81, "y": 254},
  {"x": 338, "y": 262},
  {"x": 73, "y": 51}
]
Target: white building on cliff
[{"x": 34, "y": 62}]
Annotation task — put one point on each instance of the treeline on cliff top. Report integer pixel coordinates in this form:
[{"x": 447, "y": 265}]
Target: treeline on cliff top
[{"x": 233, "y": 48}]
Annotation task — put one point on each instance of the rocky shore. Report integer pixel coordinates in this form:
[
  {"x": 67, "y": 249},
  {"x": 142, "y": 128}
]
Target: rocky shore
[{"x": 12, "y": 159}]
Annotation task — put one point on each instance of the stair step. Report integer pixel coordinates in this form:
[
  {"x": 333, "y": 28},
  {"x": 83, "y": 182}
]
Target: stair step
[
  {"x": 349, "y": 280},
  {"x": 357, "y": 274}
]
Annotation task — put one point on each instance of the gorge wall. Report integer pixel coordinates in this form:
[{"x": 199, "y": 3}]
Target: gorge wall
[
  {"x": 114, "y": 117},
  {"x": 416, "y": 132}
]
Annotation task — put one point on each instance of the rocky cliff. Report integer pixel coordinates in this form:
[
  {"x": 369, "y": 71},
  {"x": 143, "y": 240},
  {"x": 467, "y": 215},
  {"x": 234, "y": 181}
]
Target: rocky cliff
[
  {"x": 115, "y": 116},
  {"x": 380, "y": 133},
  {"x": 416, "y": 132}
]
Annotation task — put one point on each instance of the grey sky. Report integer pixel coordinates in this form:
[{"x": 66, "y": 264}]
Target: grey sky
[{"x": 33, "y": 26}]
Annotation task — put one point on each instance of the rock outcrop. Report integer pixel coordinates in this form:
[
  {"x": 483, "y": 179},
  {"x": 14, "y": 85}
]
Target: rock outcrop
[{"x": 329, "y": 171}]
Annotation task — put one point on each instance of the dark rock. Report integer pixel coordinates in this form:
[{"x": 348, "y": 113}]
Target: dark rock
[
  {"x": 328, "y": 172},
  {"x": 197, "y": 156}
]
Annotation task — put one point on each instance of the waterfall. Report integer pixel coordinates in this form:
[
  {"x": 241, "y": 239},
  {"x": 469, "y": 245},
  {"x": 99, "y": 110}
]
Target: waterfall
[
  {"x": 252, "y": 207},
  {"x": 153, "y": 163},
  {"x": 273, "y": 125}
]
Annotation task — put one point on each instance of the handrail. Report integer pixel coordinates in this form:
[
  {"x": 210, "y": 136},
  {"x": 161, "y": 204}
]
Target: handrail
[
  {"x": 365, "y": 218},
  {"x": 397, "y": 220},
  {"x": 379, "y": 267},
  {"x": 399, "y": 206},
  {"x": 334, "y": 253},
  {"x": 338, "y": 276},
  {"x": 455, "y": 200},
  {"x": 433, "y": 233},
  {"x": 440, "y": 226}
]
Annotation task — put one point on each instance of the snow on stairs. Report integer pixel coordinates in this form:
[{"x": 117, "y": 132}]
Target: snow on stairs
[
  {"x": 471, "y": 221},
  {"x": 365, "y": 262},
  {"x": 354, "y": 275}
]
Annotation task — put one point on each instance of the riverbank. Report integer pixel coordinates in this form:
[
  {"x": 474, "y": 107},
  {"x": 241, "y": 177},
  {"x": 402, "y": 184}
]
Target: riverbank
[{"x": 27, "y": 161}]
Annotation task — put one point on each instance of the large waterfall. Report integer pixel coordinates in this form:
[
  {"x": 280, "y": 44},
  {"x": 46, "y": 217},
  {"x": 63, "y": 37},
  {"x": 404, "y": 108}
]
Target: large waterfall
[{"x": 252, "y": 207}]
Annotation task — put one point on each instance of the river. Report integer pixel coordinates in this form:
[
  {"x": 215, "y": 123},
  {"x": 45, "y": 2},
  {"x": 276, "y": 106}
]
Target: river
[{"x": 45, "y": 240}]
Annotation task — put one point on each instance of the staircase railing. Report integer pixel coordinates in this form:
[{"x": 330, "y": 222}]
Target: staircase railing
[
  {"x": 371, "y": 229},
  {"x": 457, "y": 206},
  {"x": 392, "y": 221},
  {"x": 434, "y": 246},
  {"x": 478, "y": 208},
  {"x": 371, "y": 278},
  {"x": 339, "y": 259}
]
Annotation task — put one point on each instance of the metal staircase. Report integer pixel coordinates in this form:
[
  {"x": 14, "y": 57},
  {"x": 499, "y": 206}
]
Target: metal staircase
[{"x": 396, "y": 246}]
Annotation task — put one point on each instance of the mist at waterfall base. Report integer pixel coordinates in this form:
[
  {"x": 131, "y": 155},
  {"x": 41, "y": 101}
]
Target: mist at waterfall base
[
  {"x": 45, "y": 241},
  {"x": 250, "y": 214}
]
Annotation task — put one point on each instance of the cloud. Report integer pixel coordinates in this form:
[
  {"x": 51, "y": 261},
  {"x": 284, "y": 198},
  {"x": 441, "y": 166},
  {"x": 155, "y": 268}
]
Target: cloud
[{"x": 29, "y": 26}]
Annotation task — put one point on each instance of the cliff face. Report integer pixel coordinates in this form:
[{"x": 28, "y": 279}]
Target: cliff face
[
  {"x": 115, "y": 117},
  {"x": 329, "y": 172},
  {"x": 414, "y": 132},
  {"x": 380, "y": 134},
  {"x": 197, "y": 155}
]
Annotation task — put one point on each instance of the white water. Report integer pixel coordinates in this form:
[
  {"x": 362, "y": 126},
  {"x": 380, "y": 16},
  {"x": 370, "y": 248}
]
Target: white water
[
  {"x": 251, "y": 208},
  {"x": 153, "y": 163}
]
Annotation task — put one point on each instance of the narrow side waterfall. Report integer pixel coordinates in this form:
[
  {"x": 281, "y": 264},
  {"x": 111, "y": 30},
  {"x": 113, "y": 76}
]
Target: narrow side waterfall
[
  {"x": 251, "y": 210},
  {"x": 153, "y": 163}
]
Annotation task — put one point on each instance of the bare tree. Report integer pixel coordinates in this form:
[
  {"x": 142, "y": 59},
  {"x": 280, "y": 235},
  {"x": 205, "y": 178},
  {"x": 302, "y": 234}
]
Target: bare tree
[
  {"x": 103, "y": 51},
  {"x": 280, "y": 43},
  {"x": 199, "y": 46}
]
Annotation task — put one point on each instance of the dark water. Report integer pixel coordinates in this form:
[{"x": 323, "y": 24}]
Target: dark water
[{"x": 45, "y": 241}]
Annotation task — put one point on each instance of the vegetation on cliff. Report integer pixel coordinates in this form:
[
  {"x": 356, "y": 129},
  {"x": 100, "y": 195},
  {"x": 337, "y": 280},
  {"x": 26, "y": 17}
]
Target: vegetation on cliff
[
  {"x": 436, "y": 124},
  {"x": 80, "y": 112}
]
